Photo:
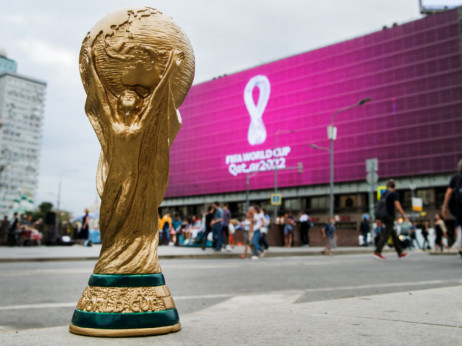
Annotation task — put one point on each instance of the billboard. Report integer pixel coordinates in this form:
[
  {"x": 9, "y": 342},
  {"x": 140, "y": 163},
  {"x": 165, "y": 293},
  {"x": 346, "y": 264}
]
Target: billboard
[{"x": 266, "y": 117}]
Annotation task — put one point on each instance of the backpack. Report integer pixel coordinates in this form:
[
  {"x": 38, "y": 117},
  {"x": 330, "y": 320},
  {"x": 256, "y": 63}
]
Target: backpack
[
  {"x": 381, "y": 211},
  {"x": 455, "y": 203}
]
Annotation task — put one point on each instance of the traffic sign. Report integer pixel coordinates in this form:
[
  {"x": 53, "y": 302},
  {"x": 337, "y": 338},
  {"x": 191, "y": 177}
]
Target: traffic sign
[
  {"x": 380, "y": 191},
  {"x": 372, "y": 178},
  {"x": 417, "y": 204},
  {"x": 276, "y": 199},
  {"x": 372, "y": 165}
]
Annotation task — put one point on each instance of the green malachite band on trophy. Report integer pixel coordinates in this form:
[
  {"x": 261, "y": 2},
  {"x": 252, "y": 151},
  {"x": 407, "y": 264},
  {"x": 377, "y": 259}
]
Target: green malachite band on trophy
[
  {"x": 119, "y": 280},
  {"x": 131, "y": 320}
]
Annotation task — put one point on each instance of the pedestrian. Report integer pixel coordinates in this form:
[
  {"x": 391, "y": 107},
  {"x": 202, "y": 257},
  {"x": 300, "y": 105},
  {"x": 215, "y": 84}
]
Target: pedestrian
[
  {"x": 217, "y": 226},
  {"x": 425, "y": 228},
  {"x": 207, "y": 226},
  {"x": 413, "y": 235},
  {"x": 14, "y": 232},
  {"x": 390, "y": 200},
  {"x": 304, "y": 228},
  {"x": 84, "y": 233},
  {"x": 191, "y": 226},
  {"x": 328, "y": 232},
  {"x": 164, "y": 227},
  {"x": 254, "y": 233},
  {"x": 440, "y": 232},
  {"x": 288, "y": 230},
  {"x": 377, "y": 231},
  {"x": 226, "y": 218},
  {"x": 453, "y": 200},
  {"x": 364, "y": 229},
  {"x": 246, "y": 226},
  {"x": 4, "y": 230},
  {"x": 176, "y": 229},
  {"x": 264, "y": 229}
]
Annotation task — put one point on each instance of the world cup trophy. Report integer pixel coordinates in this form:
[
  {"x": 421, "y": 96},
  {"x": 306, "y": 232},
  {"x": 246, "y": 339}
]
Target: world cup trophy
[{"x": 136, "y": 66}]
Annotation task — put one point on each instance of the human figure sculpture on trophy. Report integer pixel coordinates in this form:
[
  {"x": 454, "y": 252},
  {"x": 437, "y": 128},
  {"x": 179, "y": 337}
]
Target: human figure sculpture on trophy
[{"x": 137, "y": 66}]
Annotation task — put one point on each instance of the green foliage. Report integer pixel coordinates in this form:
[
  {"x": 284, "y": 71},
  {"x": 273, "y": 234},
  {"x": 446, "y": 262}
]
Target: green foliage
[{"x": 41, "y": 212}]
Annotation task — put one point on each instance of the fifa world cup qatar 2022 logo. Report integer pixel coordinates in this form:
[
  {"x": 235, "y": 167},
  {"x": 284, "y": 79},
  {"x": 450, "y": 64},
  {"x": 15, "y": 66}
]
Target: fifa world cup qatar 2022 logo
[
  {"x": 261, "y": 159},
  {"x": 257, "y": 130}
]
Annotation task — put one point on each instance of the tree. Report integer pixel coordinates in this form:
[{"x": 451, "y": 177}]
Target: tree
[{"x": 42, "y": 211}]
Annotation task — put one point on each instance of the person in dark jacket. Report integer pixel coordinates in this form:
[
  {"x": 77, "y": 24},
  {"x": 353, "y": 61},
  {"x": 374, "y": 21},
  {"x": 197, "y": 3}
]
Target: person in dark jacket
[
  {"x": 392, "y": 202},
  {"x": 364, "y": 229}
]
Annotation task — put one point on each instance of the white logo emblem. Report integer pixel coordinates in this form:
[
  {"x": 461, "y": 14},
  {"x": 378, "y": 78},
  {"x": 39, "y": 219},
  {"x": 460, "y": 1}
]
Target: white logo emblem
[{"x": 257, "y": 131}]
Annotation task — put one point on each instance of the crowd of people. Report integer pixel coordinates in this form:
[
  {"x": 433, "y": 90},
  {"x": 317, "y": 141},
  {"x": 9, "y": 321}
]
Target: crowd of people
[
  {"x": 21, "y": 230},
  {"x": 216, "y": 228}
]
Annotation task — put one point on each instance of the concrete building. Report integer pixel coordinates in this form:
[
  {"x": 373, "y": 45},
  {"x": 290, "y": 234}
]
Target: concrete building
[
  {"x": 22, "y": 101},
  {"x": 254, "y": 127}
]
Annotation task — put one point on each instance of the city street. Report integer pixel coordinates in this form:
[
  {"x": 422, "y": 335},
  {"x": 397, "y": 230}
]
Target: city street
[{"x": 44, "y": 294}]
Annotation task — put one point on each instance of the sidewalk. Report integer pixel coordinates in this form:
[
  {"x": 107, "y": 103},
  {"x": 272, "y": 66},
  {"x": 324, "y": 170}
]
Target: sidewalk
[
  {"x": 77, "y": 252},
  {"x": 426, "y": 317}
]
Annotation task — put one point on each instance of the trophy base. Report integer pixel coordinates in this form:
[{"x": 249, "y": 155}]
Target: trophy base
[
  {"x": 125, "y": 305},
  {"x": 114, "y": 333}
]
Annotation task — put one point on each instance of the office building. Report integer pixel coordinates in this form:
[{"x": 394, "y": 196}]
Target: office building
[{"x": 22, "y": 102}]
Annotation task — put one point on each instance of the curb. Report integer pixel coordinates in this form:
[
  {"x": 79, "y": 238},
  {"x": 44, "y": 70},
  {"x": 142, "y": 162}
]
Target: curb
[{"x": 220, "y": 255}]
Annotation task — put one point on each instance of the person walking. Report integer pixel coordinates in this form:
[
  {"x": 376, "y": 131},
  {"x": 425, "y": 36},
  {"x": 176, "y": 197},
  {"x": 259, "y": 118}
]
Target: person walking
[
  {"x": 176, "y": 229},
  {"x": 165, "y": 226},
  {"x": 288, "y": 230},
  {"x": 328, "y": 232},
  {"x": 14, "y": 232},
  {"x": 453, "y": 201},
  {"x": 246, "y": 226},
  {"x": 217, "y": 226},
  {"x": 413, "y": 236},
  {"x": 364, "y": 229},
  {"x": 264, "y": 230},
  {"x": 391, "y": 202},
  {"x": 84, "y": 232},
  {"x": 377, "y": 231},
  {"x": 425, "y": 228},
  {"x": 254, "y": 234},
  {"x": 304, "y": 228},
  {"x": 226, "y": 218},
  {"x": 440, "y": 232},
  {"x": 207, "y": 226}
]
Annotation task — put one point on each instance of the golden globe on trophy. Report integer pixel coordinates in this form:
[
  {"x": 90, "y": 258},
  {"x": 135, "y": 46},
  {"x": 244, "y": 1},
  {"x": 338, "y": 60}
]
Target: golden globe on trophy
[{"x": 137, "y": 66}]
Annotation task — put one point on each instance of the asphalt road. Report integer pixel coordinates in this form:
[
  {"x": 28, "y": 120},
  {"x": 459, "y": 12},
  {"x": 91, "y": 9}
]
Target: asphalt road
[{"x": 44, "y": 294}]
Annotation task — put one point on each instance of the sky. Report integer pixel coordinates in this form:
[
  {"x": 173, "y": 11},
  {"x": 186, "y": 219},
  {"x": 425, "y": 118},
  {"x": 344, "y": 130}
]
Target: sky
[{"x": 44, "y": 38}]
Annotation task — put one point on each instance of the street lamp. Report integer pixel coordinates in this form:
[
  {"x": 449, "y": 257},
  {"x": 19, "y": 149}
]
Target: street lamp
[
  {"x": 59, "y": 192},
  {"x": 332, "y": 136},
  {"x": 276, "y": 168}
]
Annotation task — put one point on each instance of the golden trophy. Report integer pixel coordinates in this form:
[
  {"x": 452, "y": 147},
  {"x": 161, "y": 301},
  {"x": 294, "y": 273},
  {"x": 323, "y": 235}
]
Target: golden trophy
[{"x": 136, "y": 66}]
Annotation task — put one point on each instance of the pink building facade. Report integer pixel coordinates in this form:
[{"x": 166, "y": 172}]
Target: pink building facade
[{"x": 267, "y": 117}]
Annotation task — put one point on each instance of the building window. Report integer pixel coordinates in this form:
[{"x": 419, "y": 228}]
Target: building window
[
  {"x": 427, "y": 195},
  {"x": 319, "y": 202}
]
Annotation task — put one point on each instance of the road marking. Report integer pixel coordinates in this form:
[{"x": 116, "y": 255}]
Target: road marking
[
  {"x": 249, "y": 294},
  {"x": 395, "y": 284},
  {"x": 38, "y": 306},
  {"x": 15, "y": 273},
  {"x": 73, "y": 304}
]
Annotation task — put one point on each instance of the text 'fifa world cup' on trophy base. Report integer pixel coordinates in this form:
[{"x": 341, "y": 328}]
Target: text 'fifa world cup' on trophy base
[{"x": 136, "y": 66}]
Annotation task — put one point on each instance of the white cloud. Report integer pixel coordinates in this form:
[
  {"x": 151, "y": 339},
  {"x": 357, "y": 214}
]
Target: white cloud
[
  {"x": 47, "y": 54},
  {"x": 16, "y": 19}
]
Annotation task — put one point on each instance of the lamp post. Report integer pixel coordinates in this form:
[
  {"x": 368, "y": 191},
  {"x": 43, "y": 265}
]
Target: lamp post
[
  {"x": 276, "y": 168},
  {"x": 332, "y": 136},
  {"x": 59, "y": 192}
]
